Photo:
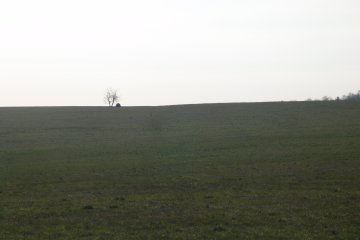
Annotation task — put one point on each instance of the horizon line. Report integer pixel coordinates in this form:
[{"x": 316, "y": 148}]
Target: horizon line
[{"x": 165, "y": 105}]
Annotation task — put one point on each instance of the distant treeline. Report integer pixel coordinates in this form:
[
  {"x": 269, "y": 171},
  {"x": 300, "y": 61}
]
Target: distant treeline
[
  {"x": 348, "y": 97},
  {"x": 352, "y": 96}
]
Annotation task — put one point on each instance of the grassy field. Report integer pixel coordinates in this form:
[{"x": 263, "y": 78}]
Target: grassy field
[{"x": 217, "y": 171}]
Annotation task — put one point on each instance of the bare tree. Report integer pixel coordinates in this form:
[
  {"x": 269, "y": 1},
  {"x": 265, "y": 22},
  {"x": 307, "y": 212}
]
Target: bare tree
[{"x": 111, "y": 97}]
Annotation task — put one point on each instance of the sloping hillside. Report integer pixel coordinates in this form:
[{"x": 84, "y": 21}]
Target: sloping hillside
[{"x": 215, "y": 171}]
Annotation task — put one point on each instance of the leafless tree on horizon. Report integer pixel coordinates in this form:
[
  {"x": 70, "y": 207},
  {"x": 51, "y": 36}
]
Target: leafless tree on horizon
[{"x": 111, "y": 97}]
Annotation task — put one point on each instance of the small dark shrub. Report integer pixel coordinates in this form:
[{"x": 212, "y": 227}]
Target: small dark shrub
[
  {"x": 88, "y": 207},
  {"x": 119, "y": 199},
  {"x": 118, "y": 105},
  {"x": 219, "y": 229}
]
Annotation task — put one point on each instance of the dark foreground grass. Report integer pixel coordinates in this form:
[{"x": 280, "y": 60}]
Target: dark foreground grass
[{"x": 222, "y": 171}]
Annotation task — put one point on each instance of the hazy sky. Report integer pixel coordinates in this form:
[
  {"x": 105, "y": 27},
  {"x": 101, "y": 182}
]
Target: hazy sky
[{"x": 172, "y": 52}]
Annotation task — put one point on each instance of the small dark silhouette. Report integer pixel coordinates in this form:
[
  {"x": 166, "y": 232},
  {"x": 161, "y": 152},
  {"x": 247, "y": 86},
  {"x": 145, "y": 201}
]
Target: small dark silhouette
[
  {"x": 88, "y": 207},
  {"x": 118, "y": 105},
  {"x": 219, "y": 229}
]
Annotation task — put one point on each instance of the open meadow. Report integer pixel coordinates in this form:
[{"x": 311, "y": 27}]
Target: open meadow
[{"x": 287, "y": 170}]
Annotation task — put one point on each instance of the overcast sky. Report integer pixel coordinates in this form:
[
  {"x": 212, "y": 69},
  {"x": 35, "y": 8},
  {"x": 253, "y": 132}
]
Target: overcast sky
[{"x": 162, "y": 52}]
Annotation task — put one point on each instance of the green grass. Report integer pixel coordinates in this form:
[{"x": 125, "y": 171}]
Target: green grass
[{"x": 218, "y": 171}]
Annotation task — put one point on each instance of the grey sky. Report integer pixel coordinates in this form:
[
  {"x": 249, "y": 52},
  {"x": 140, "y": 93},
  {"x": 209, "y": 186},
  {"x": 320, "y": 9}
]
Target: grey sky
[{"x": 172, "y": 52}]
